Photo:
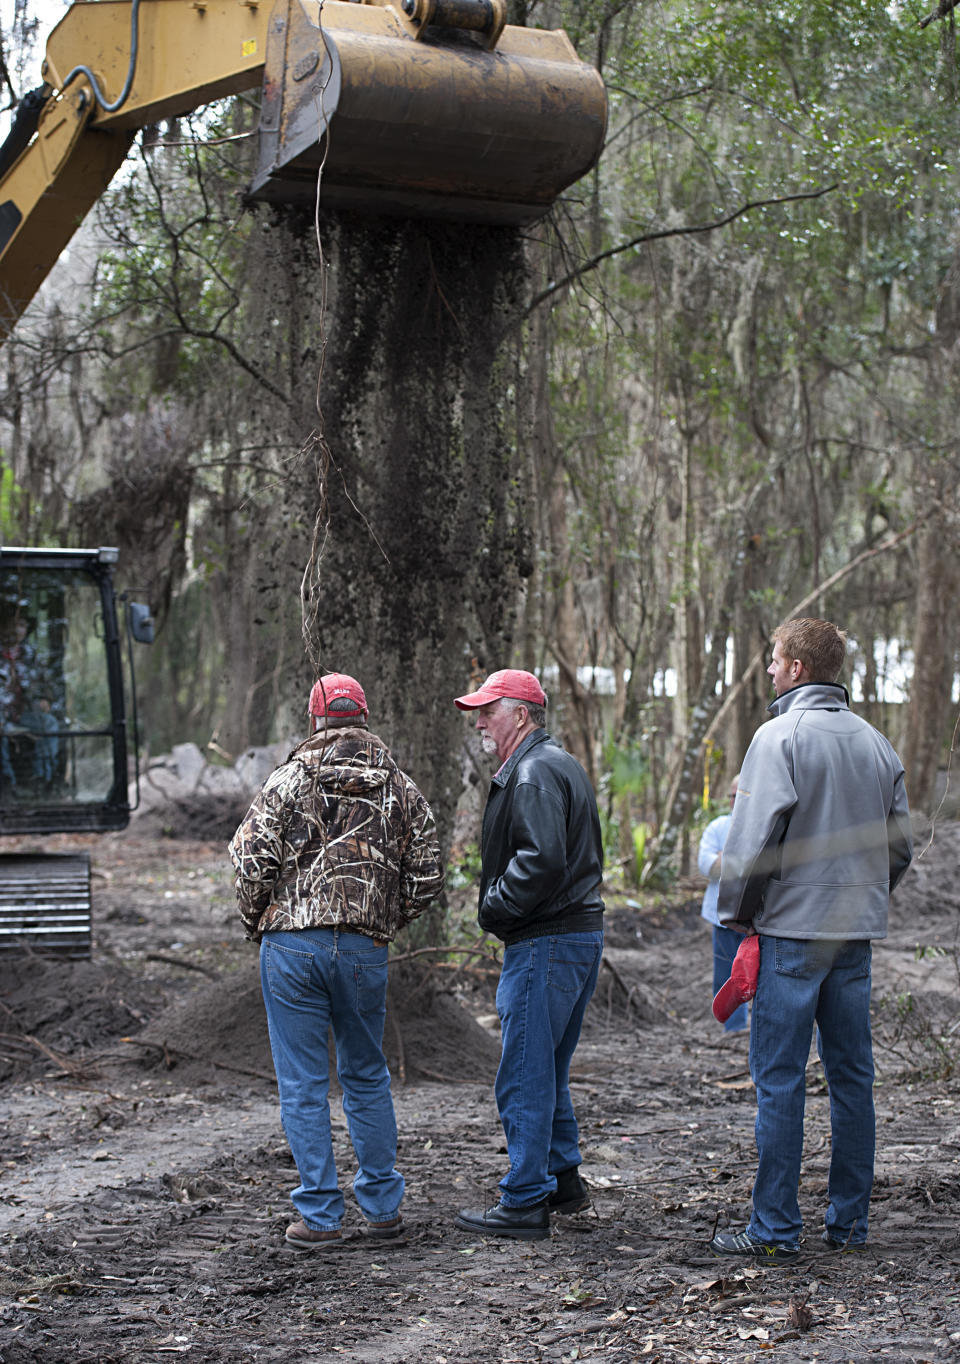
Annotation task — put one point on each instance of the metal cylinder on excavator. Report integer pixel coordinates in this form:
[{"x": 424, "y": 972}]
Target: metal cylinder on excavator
[{"x": 477, "y": 16}]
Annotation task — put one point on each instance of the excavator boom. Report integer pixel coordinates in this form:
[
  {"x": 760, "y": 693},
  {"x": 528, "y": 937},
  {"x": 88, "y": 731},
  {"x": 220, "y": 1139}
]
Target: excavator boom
[{"x": 420, "y": 107}]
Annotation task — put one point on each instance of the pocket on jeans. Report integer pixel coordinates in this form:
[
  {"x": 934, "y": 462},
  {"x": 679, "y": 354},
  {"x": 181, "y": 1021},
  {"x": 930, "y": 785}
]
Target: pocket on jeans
[
  {"x": 287, "y": 972},
  {"x": 808, "y": 957},
  {"x": 793, "y": 957},
  {"x": 855, "y": 957},
  {"x": 570, "y": 963},
  {"x": 371, "y": 982}
]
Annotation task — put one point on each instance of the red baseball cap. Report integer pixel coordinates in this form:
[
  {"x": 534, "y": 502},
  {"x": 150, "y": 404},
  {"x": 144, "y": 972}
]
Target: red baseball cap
[
  {"x": 334, "y": 685},
  {"x": 512, "y": 682},
  {"x": 742, "y": 985}
]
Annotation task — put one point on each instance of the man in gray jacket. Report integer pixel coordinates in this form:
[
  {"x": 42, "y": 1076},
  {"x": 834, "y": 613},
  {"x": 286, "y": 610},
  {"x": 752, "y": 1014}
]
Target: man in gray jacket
[{"x": 819, "y": 838}]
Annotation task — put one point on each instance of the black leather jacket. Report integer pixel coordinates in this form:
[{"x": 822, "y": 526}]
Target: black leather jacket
[{"x": 541, "y": 851}]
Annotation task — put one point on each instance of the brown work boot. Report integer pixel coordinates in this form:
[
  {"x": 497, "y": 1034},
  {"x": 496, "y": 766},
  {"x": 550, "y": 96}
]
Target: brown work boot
[{"x": 305, "y": 1238}]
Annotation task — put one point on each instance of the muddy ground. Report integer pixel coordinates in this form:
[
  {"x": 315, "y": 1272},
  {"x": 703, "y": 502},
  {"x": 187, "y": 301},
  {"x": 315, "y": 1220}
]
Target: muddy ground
[{"x": 145, "y": 1178}]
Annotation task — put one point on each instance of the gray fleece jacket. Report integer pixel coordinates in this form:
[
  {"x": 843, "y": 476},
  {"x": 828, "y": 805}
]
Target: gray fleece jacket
[{"x": 821, "y": 827}]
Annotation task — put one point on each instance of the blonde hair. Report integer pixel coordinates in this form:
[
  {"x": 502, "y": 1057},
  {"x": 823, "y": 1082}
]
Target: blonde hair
[{"x": 818, "y": 644}]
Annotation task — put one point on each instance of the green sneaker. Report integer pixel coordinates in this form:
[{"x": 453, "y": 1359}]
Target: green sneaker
[{"x": 739, "y": 1243}]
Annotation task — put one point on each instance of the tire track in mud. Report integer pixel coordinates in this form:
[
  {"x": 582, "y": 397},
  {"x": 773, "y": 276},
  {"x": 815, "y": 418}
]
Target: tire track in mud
[
  {"x": 191, "y": 1260},
  {"x": 142, "y": 1212}
]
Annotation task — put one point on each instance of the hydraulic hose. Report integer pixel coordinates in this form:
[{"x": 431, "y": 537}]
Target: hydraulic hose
[
  {"x": 131, "y": 71},
  {"x": 25, "y": 122}
]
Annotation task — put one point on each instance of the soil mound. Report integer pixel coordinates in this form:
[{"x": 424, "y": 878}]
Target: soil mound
[
  {"x": 929, "y": 886},
  {"x": 53, "y": 1009},
  {"x": 430, "y": 1033},
  {"x": 221, "y": 1026},
  {"x": 197, "y": 816}
]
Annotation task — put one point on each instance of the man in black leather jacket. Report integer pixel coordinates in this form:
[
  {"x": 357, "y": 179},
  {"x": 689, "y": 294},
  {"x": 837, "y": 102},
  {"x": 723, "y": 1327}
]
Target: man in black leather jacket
[{"x": 542, "y": 865}]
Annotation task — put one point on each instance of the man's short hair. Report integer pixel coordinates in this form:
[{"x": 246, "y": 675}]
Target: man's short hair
[
  {"x": 538, "y": 714},
  {"x": 820, "y": 646},
  {"x": 341, "y": 714}
]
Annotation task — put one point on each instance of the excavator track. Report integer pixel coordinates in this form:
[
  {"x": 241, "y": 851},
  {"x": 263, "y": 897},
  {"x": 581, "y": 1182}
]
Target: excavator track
[{"x": 45, "y": 904}]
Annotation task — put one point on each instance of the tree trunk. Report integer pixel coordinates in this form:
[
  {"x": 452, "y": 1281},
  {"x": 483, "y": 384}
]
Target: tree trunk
[
  {"x": 934, "y": 655},
  {"x": 416, "y": 571}
]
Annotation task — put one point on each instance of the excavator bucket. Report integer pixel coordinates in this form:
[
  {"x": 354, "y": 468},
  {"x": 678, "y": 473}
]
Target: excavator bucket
[
  {"x": 416, "y": 107},
  {"x": 433, "y": 108}
]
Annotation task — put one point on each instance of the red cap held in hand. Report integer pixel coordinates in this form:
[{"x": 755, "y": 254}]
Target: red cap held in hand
[{"x": 742, "y": 985}]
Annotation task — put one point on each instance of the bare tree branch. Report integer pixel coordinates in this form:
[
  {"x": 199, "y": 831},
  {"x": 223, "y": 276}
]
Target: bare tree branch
[
  {"x": 796, "y": 609},
  {"x": 941, "y": 12},
  {"x": 665, "y": 232}
]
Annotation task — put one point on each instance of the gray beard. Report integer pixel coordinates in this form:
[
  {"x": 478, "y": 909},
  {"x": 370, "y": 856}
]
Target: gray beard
[{"x": 488, "y": 743}]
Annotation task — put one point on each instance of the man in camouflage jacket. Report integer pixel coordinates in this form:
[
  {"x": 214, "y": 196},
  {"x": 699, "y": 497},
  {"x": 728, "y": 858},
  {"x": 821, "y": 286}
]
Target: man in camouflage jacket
[{"x": 336, "y": 854}]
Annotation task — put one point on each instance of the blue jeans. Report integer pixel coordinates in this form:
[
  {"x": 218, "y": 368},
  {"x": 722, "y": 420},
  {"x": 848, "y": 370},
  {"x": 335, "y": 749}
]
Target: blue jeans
[
  {"x": 545, "y": 986},
  {"x": 314, "y": 978},
  {"x": 802, "y": 983},
  {"x": 726, "y": 943}
]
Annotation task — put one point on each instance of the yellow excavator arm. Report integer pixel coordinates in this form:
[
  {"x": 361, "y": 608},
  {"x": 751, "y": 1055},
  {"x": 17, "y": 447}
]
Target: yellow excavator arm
[
  {"x": 420, "y": 108},
  {"x": 181, "y": 56}
]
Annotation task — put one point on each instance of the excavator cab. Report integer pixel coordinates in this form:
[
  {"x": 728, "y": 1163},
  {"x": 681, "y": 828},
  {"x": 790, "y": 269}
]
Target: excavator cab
[{"x": 63, "y": 734}]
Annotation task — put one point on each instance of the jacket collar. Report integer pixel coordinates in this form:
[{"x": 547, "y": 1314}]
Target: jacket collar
[
  {"x": 504, "y": 773},
  {"x": 811, "y": 696},
  {"x": 323, "y": 740}
]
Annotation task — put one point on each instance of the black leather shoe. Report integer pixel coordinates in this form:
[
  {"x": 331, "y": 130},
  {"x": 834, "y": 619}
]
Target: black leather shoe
[
  {"x": 845, "y": 1247},
  {"x": 571, "y": 1193},
  {"x": 523, "y": 1224}
]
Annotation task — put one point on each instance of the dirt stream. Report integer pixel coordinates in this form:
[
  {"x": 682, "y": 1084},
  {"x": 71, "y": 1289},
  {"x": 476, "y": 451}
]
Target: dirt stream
[{"x": 145, "y": 1177}]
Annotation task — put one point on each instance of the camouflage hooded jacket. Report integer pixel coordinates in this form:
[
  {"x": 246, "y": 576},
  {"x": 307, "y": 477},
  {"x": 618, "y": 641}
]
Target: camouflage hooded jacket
[{"x": 337, "y": 835}]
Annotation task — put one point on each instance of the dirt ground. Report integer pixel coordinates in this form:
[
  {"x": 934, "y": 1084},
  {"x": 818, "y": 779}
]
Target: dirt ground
[{"x": 145, "y": 1177}]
